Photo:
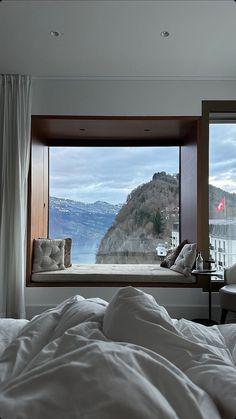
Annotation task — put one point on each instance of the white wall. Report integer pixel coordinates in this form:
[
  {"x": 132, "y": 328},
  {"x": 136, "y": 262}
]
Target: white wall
[
  {"x": 180, "y": 302},
  {"x": 154, "y": 98},
  {"x": 158, "y": 98}
]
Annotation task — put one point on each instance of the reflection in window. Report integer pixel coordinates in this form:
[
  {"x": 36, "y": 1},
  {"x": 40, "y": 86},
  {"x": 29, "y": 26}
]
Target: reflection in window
[
  {"x": 222, "y": 193},
  {"x": 118, "y": 204}
]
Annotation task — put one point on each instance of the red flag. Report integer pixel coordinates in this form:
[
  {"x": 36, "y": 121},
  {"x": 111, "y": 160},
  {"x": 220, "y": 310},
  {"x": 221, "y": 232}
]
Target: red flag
[{"x": 221, "y": 205}]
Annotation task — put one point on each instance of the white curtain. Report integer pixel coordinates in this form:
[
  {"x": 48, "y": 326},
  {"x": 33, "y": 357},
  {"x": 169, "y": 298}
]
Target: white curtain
[{"x": 15, "y": 117}]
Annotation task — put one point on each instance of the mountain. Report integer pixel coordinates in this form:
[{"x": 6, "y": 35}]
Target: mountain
[
  {"x": 128, "y": 233},
  {"x": 148, "y": 217},
  {"x": 145, "y": 219},
  {"x": 85, "y": 223}
]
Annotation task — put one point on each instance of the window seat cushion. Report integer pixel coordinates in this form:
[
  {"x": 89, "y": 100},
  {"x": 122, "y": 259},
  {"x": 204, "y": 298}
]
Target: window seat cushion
[
  {"x": 48, "y": 255},
  {"x": 113, "y": 273}
]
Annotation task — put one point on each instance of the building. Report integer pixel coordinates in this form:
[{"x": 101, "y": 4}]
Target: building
[
  {"x": 175, "y": 235},
  {"x": 222, "y": 240}
]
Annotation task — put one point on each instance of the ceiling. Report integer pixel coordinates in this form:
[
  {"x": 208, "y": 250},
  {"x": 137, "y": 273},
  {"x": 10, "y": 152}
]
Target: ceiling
[{"x": 119, "y": 39}]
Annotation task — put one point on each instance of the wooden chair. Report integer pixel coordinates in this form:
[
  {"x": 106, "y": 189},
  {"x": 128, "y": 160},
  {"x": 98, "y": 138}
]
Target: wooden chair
[{"x": 228, "y": 292}]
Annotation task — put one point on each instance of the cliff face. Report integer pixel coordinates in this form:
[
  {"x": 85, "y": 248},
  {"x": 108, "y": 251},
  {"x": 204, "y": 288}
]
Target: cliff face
[{"x": 145, "y": 219}]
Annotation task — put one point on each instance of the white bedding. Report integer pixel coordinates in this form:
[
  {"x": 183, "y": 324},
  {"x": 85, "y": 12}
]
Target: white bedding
[
  {"x": 9, "y": 329},
  {"x": 87, "y": 359}
]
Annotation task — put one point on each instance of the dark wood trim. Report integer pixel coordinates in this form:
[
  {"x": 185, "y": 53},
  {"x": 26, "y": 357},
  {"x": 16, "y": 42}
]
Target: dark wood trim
[
  {"x": 57, "y": 129},
  {"x": 37, "y": 196},
  {"x": 189, "y": 192},
  {"x": 202, "y": 185},
  {"x": 199, "y": 284},
  {"x": 224, "y": 106},
  {"x": 115, "y": 284},
  {"x": 122, "y": 142}
]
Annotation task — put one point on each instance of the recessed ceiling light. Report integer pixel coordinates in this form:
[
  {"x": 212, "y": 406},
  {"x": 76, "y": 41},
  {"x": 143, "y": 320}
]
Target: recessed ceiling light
[
  {"x": 55, "y": 34},
  {"x": 165, "y": 34}
]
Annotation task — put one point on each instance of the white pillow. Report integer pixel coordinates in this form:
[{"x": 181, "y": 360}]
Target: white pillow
[
  {"x": 185, "y": 260},
  {"x": 48, "y": 255},
  {"x": 134, "y": 316}
]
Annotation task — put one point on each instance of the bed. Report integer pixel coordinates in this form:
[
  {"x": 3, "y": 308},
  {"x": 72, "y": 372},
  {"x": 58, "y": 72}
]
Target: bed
[{"x": 87, "y": 358}]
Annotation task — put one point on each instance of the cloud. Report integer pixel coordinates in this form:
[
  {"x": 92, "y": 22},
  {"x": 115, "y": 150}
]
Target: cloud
[
  {"x": 222, "y": 168},
  {"x": 106, "y": 173},
  {"x": 90, "y": 174}
]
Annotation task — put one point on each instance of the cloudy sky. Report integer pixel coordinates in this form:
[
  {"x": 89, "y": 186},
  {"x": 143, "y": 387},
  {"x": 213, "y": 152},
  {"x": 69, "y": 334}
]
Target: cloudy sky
[
  {"x": 223, "y": 156},
  {"x": 109, "y": 174}
]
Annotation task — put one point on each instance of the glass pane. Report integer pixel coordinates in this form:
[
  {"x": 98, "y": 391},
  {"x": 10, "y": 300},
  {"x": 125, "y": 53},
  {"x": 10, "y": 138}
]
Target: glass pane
[
  {"x": 118, "y": 204},
  {"x": 222, "y": 194}
]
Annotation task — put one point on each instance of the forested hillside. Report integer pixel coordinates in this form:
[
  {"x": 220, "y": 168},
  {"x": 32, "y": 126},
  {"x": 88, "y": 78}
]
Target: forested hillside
[
  {"x": 145, "y": 219},
  {"x": 148, "y": 217}
]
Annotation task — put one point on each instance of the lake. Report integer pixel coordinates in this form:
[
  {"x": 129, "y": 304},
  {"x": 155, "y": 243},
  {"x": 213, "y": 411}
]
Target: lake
[{"x": 83, "y": 255}]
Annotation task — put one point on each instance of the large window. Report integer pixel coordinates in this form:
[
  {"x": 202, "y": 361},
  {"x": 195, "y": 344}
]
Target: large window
[
  {"x": 123, "y": 188},
  {"x": 222, "y": 191},
  {"x": 118, "y": 204}
]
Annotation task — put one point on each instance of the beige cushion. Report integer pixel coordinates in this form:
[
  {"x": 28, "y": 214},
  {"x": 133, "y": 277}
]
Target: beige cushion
[
  {"x": 67, "y": 255},
  {"x": 185, "y": 261},
  {"x": 172, "y": 255},
  {"x": 228, "y": 297},
  {"x": 230, "y": 274},
  {"x": 48, "y": 255}
]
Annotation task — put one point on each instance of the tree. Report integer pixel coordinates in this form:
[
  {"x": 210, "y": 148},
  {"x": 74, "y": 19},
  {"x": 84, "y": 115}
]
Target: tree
[{"x": 158, "y": 222}]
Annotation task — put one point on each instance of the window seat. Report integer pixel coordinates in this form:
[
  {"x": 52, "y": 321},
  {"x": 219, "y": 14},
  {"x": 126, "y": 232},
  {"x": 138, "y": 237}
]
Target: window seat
[{"x": 109, "y": 273}]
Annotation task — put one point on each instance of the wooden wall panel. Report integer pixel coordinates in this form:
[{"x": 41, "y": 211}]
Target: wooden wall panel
[
  {"x": 188, "y": 190},
  {"x": 39, "y": 192},
  {"x": 37, "y": 196}
]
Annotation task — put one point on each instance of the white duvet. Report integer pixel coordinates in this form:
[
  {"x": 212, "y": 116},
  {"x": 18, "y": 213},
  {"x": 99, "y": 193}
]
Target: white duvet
[{"x": 87, "y": 359}]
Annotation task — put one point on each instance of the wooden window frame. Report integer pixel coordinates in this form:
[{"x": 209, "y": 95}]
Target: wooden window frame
[
  {"x": 46, "y": 131},
  {"x": 209, "y": 107}
]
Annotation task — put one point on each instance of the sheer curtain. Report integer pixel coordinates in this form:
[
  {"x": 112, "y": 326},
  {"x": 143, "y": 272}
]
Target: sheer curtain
[{"x": 15, "y": 117}]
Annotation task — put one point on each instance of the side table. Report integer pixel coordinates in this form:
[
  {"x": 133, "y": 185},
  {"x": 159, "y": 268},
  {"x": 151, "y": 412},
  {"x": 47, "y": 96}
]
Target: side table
[{"x": 208, "y": 274}]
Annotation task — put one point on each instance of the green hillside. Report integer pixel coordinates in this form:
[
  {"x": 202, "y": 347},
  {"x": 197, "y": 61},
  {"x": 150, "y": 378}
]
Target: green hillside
[{"x": 145, "y": 219}]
